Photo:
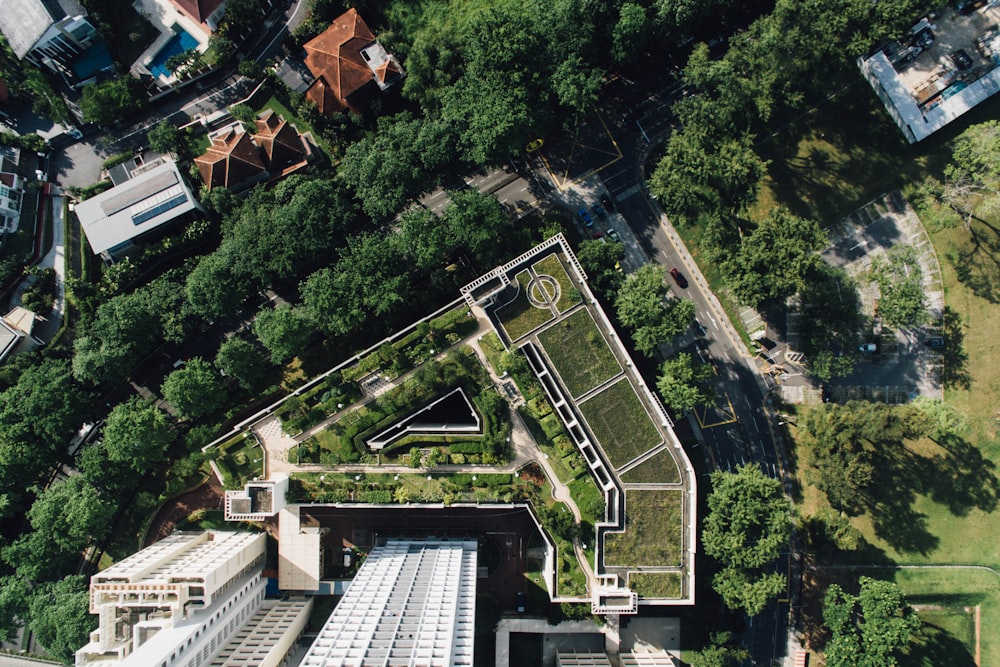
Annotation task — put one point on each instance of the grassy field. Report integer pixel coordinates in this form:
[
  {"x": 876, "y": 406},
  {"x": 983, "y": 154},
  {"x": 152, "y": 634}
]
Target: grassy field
[
  {"x": 552, "y": 266},
  {"x": 240, "y": 460},
  {"x": 653, "y": 533},
  {"x": 655, "y": 584},
  {"x": 519, "y": 317},
  {"x": 827, "y": 164},
  {"x": 492, "y": 348},
  {"x": 579, "y": 353},
  {"x": 620, "y": 423},
  {"x": 660, "y": 469}
]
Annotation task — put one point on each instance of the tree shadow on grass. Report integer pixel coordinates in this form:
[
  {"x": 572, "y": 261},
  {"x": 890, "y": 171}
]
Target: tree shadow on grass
[
  {"x": 894, "y": 518},
  {"x": 954, "y": 362},
  {"x": 933, "y": 646},
  {"x": 960, "y": 478}
]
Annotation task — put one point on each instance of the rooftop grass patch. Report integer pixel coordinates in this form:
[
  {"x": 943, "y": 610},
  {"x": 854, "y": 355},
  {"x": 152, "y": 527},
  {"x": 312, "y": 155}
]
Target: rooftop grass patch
[
  {"x": 652, "y": 537},
  {"x": 579, "y": 353},
  {"x": 588, "y": 498},
  {"x": 656, "y": 584},
  {"x": 620, "y": 422},
  {"x": 240, "y": 459},
  {"x": 519, "y": 317},
  {"x": 661, "y": 468},
  {"x": 568, "y": 294}
]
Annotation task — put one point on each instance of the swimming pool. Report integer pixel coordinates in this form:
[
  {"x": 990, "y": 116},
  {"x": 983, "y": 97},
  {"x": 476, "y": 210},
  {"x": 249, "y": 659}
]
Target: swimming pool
[{"x": 181, "y": 41}]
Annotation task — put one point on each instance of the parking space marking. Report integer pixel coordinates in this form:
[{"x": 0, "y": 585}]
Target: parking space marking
[
  {"x": 722, "y": 422},
  {"x": 564, "y": 181}
]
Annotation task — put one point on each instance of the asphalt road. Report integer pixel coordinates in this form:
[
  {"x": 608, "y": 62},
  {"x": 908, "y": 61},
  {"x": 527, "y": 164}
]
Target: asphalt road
[{"x": 738, "y": 429}]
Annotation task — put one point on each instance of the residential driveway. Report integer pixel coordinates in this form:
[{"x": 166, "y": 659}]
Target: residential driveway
[{"x": 78, "y": 164}]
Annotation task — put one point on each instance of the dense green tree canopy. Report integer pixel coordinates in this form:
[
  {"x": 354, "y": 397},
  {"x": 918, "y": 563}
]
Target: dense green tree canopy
[
  {"x": 645, "y": 306},
  {"x": 682, "y": 382},
  {"x": 776, "y": 260},
  {"x": 748, "y": 523},
  {"x": 60, "y": 616},
  {"x": 138, "y": 433},
  {"x": 283, "y": 330},
  {"x": 869, "y": 629},
  {"x": 902, "y": 302},
  {"x": 843, "y": 444},
  {"x": 242, "y": 360},
  {"x": 602, "y": 262},
  {"x": 195, "y": 390},
  {"x": 111, "y": 101},
  {"x": 405, "y": 157}
]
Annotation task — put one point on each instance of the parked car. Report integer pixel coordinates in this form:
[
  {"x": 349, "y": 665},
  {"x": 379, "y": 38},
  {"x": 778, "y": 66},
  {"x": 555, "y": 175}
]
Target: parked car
[
  {"x": 868, "y": 347},
  {"x": 961, "y": 60},
  {"x": 679, "y": 278},
  {"x": 521, "y": 602},
  {"x": 534, "y": 145},
  {"x": 599, "y": 211},
  {"x": 613, "y": 235},
  {"x": 934, "y": 343},
  {"x": 608, "y": 203},
  {"x": 585, "y": 217},
  {"x": 968, "y": 6}
]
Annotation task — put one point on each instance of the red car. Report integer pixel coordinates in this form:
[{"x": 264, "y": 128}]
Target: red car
[{"x": 679, "y": 278}]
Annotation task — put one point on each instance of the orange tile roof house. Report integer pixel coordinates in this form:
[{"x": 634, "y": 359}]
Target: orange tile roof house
[
  {"x": 206, "y": 13},
  {"x": 285, "y": 150},
  {"x": 349, "y": 64},
  {"x": 232, "y": 160},
  {"x": 238, "y": 159}
]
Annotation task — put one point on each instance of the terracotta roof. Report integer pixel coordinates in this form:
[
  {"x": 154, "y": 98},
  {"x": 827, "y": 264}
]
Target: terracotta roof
[
  {"x": 334, "y": 57},
  {"x": 199, "y": 10},
  {"x": 233, "y": 158},
  {"x": 279, "y": 140}
]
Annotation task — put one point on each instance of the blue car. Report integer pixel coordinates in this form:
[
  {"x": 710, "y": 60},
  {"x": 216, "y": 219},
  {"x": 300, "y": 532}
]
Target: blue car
[{"x": 585, "y": 217}]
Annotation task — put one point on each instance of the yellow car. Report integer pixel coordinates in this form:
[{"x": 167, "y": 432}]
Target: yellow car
[{"x": 534, "y": 145}]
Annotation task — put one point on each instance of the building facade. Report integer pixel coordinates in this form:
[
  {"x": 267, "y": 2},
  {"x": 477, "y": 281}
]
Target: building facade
[
  {"x": 56, "y": 35},
  {"x": 186, "y": 601},
  {"x": 413, "y": 602}
]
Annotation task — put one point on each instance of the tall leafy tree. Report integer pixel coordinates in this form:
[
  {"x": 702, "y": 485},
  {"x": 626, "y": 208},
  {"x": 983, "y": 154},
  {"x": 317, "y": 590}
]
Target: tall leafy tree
[
  {"x": 284, "y": 331},
  {"x": 242, "y": 360},
  {"x": 748, "y": 523},
  {"x": 645, "y": 306},
  {"x": 60, "y": 616},
  {"x": 869, "y": 629},
  {"x": 136, "y": 432},
  {"x": 775, "y": 261},
  {"x": 602, "y": 262},
  {"x": 111, "y": 101},
  {"x": 902, "y": 302},
  {"x": 682, "y": 382},
  {"x": 195, "y": 390}
]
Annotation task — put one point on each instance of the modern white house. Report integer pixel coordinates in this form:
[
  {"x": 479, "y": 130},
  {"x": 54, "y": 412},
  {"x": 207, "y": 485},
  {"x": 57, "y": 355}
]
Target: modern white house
[
  {"x": 192, "y": 599},
  {"x": 413, "y": 602},
  {"x": 57, "y": 35},
  {"x": 152, "y": 197}
]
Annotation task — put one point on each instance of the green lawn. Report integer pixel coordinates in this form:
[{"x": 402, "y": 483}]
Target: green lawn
[
  {"x": 568, "y": 294},
  {"x": 579, "y": 353},
  {"x": 948, "y": 633},
  {"x": 652, "y": 534},
  {"x": 655, "y": 584},
  {"x": 588, "y": 498},
  {"x": 661, "y": 468},
  {"x": 240, "y": 460},
  {"x": 620, "y": 423},
  {"x": 492, "y": 348},
  {"x": 519, "y": 317}
]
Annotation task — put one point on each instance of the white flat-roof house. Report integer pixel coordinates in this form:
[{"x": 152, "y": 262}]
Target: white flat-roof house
[
  {"x": 947, "y": 65},
  {"x": 191, "y": 599},
  {"x": 55, "y": 34},
  {"x": 151, "y": 198},
  {"x": 413, "y": 602}
]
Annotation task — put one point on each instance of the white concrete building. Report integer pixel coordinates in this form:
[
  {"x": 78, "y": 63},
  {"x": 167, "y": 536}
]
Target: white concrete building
[
  {"x": 55, "y": 34},
  {"x": 257, "y": 500},
  {"x": 413, "y": 602},
  {"x": 155, "y": 195},
  {"x": 186, "y": 600}
]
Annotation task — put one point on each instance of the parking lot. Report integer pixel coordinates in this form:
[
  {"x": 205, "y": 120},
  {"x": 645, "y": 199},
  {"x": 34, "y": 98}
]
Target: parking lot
[{"x": 902, "y": 366}]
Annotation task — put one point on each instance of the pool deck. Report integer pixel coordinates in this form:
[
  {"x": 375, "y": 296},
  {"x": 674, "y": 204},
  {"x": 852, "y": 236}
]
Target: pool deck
[{"x": 163, "y": 15}]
